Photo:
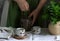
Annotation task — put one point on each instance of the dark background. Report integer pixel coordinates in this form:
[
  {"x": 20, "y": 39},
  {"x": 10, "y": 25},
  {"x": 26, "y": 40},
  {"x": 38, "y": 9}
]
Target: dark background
[{"x": 1, "y": 7}]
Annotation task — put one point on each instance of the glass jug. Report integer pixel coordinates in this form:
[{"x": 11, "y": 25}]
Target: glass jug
[{"x": 25, "y": 20}]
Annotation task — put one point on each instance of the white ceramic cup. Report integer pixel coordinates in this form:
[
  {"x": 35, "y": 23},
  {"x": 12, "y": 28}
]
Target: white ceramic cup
[
  {"x": 36, "y": 30},
  {"x": 20, "y": 32}
]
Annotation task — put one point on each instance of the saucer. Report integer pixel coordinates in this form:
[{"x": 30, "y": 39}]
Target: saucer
[{"x": 19, "y": 37}]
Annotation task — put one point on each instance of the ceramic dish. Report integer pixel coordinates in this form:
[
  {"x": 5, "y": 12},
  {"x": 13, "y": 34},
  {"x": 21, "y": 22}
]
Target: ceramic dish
[
  {"x": 27, "y": 35},
  {"x": 36, "y": 30},
  {"x": 5, "y": 32}
]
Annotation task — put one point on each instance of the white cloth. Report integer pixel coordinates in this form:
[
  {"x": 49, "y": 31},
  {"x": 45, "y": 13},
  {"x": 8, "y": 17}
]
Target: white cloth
[
  {"x": 43, "y": 38},
  {"x": 35, "y": 38}
]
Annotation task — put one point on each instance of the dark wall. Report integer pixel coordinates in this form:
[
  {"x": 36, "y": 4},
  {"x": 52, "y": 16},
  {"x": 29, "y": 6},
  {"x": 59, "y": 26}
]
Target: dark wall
[{"x": 1, "y": 7}]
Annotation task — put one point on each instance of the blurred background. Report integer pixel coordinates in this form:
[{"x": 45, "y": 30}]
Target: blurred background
[
  {"x": 1, "y": 7},
  {"x": 13, "y": 9}
]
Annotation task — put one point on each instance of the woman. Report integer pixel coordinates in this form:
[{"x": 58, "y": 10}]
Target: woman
[
  {"x": 34, "y": 6},
  {"x": 35, "y": 12}
]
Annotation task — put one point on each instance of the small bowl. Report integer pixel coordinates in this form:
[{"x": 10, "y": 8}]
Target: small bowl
[
  {"x": 36, "y": 30},
  {"x": 20, "y": 32}
]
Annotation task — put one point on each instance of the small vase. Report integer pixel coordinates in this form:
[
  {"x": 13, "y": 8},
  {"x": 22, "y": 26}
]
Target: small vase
[{"x": 54, "y": 28}]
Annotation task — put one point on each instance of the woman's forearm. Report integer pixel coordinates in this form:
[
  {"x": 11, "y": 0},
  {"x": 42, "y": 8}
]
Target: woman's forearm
[{"x": 40, "y": 5}]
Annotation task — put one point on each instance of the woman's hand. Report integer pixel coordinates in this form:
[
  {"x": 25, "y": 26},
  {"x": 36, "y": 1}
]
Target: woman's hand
[
  {"x": 23, "y": 5},
  {"x": 37, "y": 10},
  {"x": 34, "y": 14}
]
